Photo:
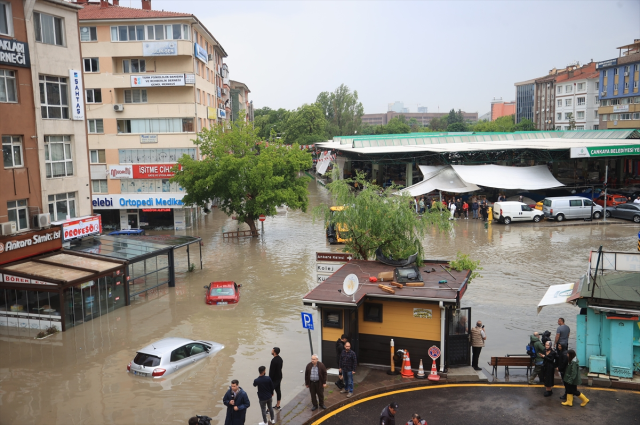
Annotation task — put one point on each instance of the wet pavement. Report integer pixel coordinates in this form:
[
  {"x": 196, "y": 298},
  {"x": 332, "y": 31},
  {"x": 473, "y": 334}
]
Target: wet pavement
[{"x": 80, "y": 376}]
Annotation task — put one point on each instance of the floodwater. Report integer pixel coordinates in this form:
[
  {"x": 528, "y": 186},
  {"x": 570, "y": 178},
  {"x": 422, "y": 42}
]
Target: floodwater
[{"x": 79, "y": 376}]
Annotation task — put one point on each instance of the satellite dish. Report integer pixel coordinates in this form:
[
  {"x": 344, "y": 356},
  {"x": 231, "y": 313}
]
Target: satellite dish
[{"x": 350, "y": 284}]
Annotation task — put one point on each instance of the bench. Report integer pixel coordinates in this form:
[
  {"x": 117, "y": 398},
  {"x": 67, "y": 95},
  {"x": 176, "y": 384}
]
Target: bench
[{"x": 511, "y": 361}]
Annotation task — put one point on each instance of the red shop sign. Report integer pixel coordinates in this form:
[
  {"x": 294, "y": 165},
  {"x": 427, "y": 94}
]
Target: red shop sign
[{"x": 153, "y": 171}]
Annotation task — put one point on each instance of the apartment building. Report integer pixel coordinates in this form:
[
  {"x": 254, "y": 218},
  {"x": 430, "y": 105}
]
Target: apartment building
[
  {"x": 153, "y": 79},
  {"x": 240, "y": 101},
  {"x": 619, "y": 79},
  {"x": 423, "y": 119},
  {"x": 576, "y": 98},
  {"x": 525, "y": 100},
  {"x": 544, "y": 95},
  {"x": 500, "y": 108}
]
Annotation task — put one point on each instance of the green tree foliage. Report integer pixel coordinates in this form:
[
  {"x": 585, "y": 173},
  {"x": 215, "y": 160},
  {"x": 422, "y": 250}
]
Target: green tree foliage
[
  {"x": 379, "y": 218},
  {"x": 342, "y": 110},
  {"x": 526, "y": 125},
  {"x": 457, "y": 127},
  {"x": 503, "y": 124},
  {"x": 247, "y": 177},
  {"x": 396, "y": 125},
  {"x": 464, "y": 262},
  {"x": 270, "y": 123},
  {"x": 438, "y": 124},
  {"x": 305, "y": 126}
]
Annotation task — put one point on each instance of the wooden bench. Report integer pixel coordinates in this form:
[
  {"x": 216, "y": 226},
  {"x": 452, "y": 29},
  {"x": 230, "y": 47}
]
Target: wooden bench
[{"x": 511, "y": 361}]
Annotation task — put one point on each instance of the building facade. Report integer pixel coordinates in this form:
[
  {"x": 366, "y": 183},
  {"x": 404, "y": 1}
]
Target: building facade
[
  {"x": 423, "y": 118},
  {"x": 499, "y": 108},
  {"x": 240, "y": 101},
  {"x": 153, "y": 79},
  {"x": 619, "y": 81},
  {"x": 525, "y": 100},
  {"x": 576, "y": 98},
  {"x": 544, "y": 109}
]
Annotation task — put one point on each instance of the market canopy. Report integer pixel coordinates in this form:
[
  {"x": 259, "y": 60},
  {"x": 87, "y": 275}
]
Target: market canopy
[{"x": 439, "y": 177}]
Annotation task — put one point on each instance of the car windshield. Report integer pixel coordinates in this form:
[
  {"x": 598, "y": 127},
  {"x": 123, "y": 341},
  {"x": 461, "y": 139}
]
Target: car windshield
[
  {"x": 217, "y": 292},
  {"x": 148, "y": 360},
  {"x": 620, "y": 199}
]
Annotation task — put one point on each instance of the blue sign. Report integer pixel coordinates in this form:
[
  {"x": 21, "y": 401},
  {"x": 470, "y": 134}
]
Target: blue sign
[
  {"x": 201, "y": 53},
  {"x": 307, "y": 321}
]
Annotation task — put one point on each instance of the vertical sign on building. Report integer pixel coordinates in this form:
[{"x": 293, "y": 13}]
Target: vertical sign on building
[{"x": 77, "y": 94}]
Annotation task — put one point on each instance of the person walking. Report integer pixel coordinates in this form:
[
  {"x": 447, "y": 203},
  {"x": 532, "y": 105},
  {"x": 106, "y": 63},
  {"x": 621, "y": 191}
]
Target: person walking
[
  {"x": 478, "y": 337},
  {"x": 265, "y": 395},
  {"x": 474, "y": 208},
  {"x": 388, "y": 414},
  {"x": 315, "y": 378},
  {"x": 549, "y": 367},
  {"x": 347, "y": 365},
  {"x": 538, "y": 360},
  {"x": 275, "y": 373},
  {"x": 563, "y": 361},
  {"x": 562, "y": 334},
  {"x": 572, "y": 379},
  {"x": 237, "y": 402},
  {"x": 465, "y": 208}
]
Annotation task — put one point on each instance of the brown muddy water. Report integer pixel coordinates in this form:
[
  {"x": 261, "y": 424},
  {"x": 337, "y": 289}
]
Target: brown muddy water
[{"x": 79, "y": 377}]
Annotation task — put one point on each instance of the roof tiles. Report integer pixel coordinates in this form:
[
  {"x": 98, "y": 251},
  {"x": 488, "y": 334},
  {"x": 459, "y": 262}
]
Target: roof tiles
[{"x": 93, "y": 11}]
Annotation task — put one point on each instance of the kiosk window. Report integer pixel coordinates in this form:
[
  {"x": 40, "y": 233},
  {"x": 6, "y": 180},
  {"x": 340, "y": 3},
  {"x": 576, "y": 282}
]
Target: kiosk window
[
  {"x": 372, "y": 312},
  {"x": 332, "y": 318}
]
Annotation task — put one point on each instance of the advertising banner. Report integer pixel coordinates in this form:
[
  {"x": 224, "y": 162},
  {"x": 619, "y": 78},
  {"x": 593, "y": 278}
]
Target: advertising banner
[
  {"x": 14, "y": 53},
  {"x": 201, "y": 53},
  {"x": 142, "y": 200},
  {"x": 222, "y": 113},
  {"x": 153, "y": 171},
  {"x": 77, "y": 95},
  {"x": 604, "y": 64},
  {"x": 148, "y": 138},
  {"x": 120, "y": 172},
  {"x": 28, "y": 244},
  {"x": 600, "y": 151},
  {"x": 81, "y": 227},
  {"x": 160, "y": 48},
  {"x": 160, "y": 80},
  {"x": 620, "y": 108},
  {"x": 211, "y": 113}
]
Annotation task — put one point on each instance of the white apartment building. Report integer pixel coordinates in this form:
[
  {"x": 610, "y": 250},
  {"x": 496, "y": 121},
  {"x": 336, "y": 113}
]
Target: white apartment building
[
  {"x": 577, "y": 92},
  {"x": 153, "y": 79}
]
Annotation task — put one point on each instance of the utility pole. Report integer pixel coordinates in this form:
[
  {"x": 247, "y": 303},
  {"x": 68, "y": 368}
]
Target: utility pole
[{"x": 606, "y": 176}]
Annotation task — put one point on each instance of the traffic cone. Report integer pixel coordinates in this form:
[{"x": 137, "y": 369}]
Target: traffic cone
[
  {"x": 406, "y": 366},
  {"x": 433, "y": 376},
  {"x": 420, "y": 374}
]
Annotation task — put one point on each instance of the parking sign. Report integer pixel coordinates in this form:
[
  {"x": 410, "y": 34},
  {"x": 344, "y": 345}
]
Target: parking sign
[{"x": 307, "y": 321}]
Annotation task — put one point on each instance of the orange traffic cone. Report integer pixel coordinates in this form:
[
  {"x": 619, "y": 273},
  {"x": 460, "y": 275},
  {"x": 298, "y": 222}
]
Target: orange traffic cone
[
  {"x": 433, "y": 376},
  {"x": 420, "y": 374},
  {"x": 406, "y": 366}
]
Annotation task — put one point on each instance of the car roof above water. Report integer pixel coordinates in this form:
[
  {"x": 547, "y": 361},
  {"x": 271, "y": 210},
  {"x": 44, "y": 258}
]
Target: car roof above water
[
  {"x": 565, "y": 197},
  {"x": 168, "y": 344}
]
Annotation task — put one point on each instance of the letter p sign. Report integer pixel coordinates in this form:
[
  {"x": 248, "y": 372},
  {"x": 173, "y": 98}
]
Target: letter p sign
[{"x": 307, "y": 321}]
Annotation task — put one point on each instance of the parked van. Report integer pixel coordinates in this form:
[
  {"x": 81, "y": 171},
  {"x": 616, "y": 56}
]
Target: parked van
[
  {"x": 508, "y": 211},
  {"x": 570, "y": 207}
]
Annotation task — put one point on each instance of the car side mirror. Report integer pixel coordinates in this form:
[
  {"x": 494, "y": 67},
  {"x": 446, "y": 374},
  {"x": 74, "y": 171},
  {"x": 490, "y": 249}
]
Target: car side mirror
[{"x": 240, "y": 286}]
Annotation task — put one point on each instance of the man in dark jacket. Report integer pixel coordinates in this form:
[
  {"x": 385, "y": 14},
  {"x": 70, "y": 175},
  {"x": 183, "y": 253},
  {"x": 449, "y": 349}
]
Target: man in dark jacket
[
  {"x": 347, "y": 364},
  {"x": 340, "y": 346},
  {"x": 388, "y": 415},
  {"x": 275, "y": 373},
  {"x": 315, "y": 378},
  {"x": 539, "y": 359},
  {"x": 265, "y": 394},
  {"x": 237, "y": 402}
]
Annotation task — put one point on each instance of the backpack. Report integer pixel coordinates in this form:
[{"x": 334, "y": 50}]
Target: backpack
[
  {"x": 531, "y": 350},
  {"x": 546, "y": 336}
]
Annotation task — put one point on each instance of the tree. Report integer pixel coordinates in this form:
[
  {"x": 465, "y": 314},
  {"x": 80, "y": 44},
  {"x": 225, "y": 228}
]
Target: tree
[
  {"x": 572, "y": 121},
  {"x": 526, "y": 125},
  {"x": 396, "y": 125},
  {"x": 304, "y": 124},
  {"x": 379, "y": 218},
  {"x": 452, "y": 118},
  {"x": 438, "y": 124},
  {"x": 415, "y": 127},
  {"x": 457, "y": 127},
  {"x": 342, "y": 110},
  {"x": 270, "y": 123},
  {"x": 248, "y": 177}
]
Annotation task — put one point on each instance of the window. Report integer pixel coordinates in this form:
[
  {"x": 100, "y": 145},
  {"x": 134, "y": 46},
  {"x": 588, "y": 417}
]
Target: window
[
  {"x": 597, "y": 85},
  {"x": 127, "y": 33},
  {"x": 559, "y": 89},
  {"x": 91, "y": 64},
  {"x": 8, "y": 90},
  {"x": 134, "y": 65},
  {"x": 580, "y": 115},
  {"x": 97, "y": 156},
  {"x": 567, "y": 115},
  {"x": 636, "y": 116},
  {"x": 62, "y": 205},
  {"x": 625, "y": 116},
  {"x": 49, "y": 29},
  {"x": 582, "y": 101},
  {"x": 615, "y": 87},
  {"x": 12, "y": 151},
  {"x": 153, "y": 156},
  {"x": 626, "y": 100},
  {"x": 6, "y": 19},
  {"x": 54, "y": 102},
  {"x": 149, "y": 186},
  {"x": 626, "y": 68},
  {"x": 568, "y": 88},
  {"x": 135, "y": 96},
  {"x": 57, "y": 156},
  {"x": 559, "y": 103},
  {"x": 615, "y": 71},
  {"x": 626, "y": 85},
  {"x": 93, "y": 95},
  {"x": 155, "y": 125},
  {"x": 558, "y": 127},
  {"x": 567, "y": 102},
  {"x": 95, "y": 126},
  {"x": 332, "y": 318},
  {"x": 198, "y": 96},
  {"x": 167, "y": 32},
  {"x": 580, "y": 86},
  {"x": 596, "y": 100},
  {"x": 579, "y": 127},
  {"x": 635, "y": 85},
  {"x": 604, "y": 117},
  {"x": 99, "y": 186},
  {"x": 595, "y": 114},
  {"x": 88, "y": 34},
  {"x": 596, "y": 127},
  {"x": 372, "y": 312},
  {"x": 18, "y": 212},
  {"x": 559, "y": 116}
]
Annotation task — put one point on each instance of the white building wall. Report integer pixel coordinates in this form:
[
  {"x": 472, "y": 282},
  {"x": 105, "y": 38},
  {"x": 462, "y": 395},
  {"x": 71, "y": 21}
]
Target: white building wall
[{"x": 583, "y": 114}]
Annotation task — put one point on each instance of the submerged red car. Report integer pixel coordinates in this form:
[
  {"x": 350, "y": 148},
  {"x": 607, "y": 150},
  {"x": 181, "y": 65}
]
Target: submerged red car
[{"x": 222, "y": 293}]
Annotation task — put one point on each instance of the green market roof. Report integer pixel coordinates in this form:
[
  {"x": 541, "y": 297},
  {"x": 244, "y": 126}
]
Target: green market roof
[{"x": 617, "y": 286}]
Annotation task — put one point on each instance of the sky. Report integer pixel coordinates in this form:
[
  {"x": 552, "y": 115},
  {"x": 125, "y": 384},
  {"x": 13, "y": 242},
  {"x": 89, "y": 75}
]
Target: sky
[{"x": 438, "y": 54}]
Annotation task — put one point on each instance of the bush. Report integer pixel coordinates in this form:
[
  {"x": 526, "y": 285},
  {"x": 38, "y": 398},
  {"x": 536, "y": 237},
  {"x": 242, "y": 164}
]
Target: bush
[
  {"x": 41, "y": 335},
  {"x": 463, "y": 262},
  {"x": 51, "y": 330}
]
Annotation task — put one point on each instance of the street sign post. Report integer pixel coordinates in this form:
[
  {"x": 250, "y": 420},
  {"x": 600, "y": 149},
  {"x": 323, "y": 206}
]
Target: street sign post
[
  {"x": 307, "y": 323},
  {"x": 434, "y": 353},
  {"x": 262, "y": 218},
  {"x": 343, "y": 257}
]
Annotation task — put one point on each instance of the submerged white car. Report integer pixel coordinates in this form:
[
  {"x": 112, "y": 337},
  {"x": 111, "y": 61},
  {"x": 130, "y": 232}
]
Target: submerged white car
[{"x": 169, "y": 355}]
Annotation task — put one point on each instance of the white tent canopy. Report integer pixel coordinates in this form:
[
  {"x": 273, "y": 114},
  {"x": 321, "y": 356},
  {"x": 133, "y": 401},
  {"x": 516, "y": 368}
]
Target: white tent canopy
[{"x": 465, "y": 178}]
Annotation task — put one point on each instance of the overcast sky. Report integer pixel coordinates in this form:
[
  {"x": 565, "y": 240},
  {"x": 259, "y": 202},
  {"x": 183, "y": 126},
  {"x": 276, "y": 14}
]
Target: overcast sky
[{"x": 449, "y": 54}]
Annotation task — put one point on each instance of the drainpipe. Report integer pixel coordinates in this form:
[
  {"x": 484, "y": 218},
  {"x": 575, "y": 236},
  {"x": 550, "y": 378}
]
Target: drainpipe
[{"x": 442, "y": 343}]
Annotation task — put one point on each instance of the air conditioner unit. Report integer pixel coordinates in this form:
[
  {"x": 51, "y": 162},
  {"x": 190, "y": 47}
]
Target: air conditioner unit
[
  {"x": 210, "y": 57},
  {"x": 224, "y": 91},
  {"x": 626, "y": 74},
  {"x": 8, "y": 228},
  {"x": 41, "y": 221},
  {"x": 118, "y": 108},
  {"x": 604, "y": 93}
]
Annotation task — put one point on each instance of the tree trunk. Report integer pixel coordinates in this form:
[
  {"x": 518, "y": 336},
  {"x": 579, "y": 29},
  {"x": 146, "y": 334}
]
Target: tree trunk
[{"x": 252, "y": 226}]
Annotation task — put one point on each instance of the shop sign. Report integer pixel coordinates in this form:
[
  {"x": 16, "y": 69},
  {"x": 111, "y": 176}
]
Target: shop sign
[
  {"x": 81, "y": 228},
  {"x": 600, "y": 151},
  {"x": 333, "y": 256},
  {"x": 201, "y": 53},
  {"x": 155, "y": 210},
  {"x": 77, "y": 94},
  {"x": 607, "y": 63},
  {"x": 17, "y": 279},
  {"x": 116, "y": 202},
  {"x": 160, "y": 80},
  {"x": 422, "y": 313},
  {"x": 25, "y": 245},
  {"x": 190, "y": 78},
  {"x": 160, "y": 48},
  {"x": 211, "y": 113},
  {"x": 14, "y": 53},
  {"x": 148, "y": 138},
  {"x": 222, "y": 113},
  {"x": 120, "y": 172},
  {"x": 154, "y": 171},
  {"x": 620, "y": 108}
]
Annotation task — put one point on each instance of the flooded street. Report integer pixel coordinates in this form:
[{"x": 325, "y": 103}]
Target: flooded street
[{"x": 79, "y": 376}]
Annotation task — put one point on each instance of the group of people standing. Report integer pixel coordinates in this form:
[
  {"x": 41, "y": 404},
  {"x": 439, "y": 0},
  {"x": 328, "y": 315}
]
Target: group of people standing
[
  {"x": 549, "y": 359},
  {"x": 457, "y": 207}
]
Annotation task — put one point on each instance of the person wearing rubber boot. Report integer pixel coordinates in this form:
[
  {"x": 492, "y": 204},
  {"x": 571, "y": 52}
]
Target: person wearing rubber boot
[
  {"x": 539, "y": 360},
  {"x": 572, "y": 379}
]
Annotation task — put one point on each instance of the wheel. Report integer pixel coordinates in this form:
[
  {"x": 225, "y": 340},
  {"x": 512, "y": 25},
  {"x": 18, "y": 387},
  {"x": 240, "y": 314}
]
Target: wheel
[
  {"x": 597, "y": 215},
  {"x": 636, "y": 218},
  {"x": 608, "y": 214},
  {"x": 506, "y": 220},
  {"x": 536, "y": 219},
  {"x": 560, "y": 217}
]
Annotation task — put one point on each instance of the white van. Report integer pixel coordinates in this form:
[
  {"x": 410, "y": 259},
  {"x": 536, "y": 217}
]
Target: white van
[
  {"x": 508, "y": 211},
  {"x": 569, "y": 207}
]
